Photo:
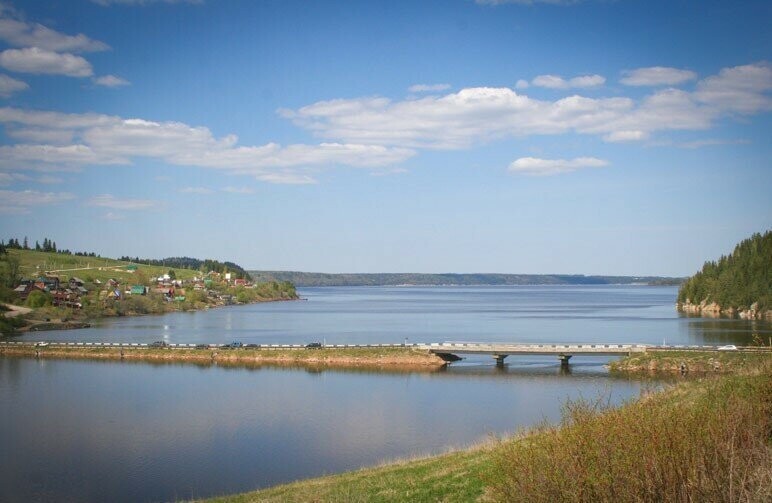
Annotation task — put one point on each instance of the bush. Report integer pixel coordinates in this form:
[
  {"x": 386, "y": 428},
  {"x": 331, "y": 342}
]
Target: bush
[
  {"x": 713, "y": 446},
  {"x": 38, "y": 299}
]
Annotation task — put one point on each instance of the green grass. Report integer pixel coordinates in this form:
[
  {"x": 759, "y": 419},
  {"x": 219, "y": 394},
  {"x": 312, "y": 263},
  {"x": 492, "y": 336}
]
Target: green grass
[
  {"x": 452, "y": 477},
  {"x": 34, "y": 263}
]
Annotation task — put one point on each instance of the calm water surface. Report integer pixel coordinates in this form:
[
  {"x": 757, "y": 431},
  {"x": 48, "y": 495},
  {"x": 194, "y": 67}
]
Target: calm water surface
[
  {"x": 105, "y": 431},
  {"x": 435, "y": 314}
]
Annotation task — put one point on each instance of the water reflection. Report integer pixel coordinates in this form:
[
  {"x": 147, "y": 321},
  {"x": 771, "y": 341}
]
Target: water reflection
[{"x": 138, "y": 431}]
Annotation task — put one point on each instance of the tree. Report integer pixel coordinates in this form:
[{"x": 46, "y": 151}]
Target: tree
[{"x": 172, "y": 274}]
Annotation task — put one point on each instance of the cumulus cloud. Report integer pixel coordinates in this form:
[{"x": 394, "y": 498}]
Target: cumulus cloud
[
  {"x": 21, "y": 202},
  {"x": 9, "y": 178},
  {"x": 557, "y": 82},
  {"x": 111, "y": 81},
  {"x": 656, "y": 76},
  {"x": 115, "y": 203},
  {"x": 41, "y": 61},
  {"x": 76, "y": 140},
  {"x": 474, "y": 115},
  {"x": 742, "y": 89},
  {"x": 23, "y": 34},
  {"x": 424, "y": 88},
  {"x": 546, "y": 167},
  {"x": 8, "y": 86}
]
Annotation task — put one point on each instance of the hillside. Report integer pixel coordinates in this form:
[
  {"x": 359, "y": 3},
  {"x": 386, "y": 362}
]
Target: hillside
[
  {"x": 398, "y": 279},
  {"x": 34, "y": 263},
  {"x": 737, "y": 284}
]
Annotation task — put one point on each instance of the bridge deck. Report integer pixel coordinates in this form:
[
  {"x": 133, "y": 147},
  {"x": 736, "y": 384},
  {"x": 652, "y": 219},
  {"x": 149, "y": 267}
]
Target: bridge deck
[{"x": 536, "y": 349}]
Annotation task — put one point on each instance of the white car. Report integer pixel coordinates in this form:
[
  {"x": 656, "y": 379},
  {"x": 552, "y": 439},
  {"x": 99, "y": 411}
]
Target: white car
[{"x": 728, "y": 347}]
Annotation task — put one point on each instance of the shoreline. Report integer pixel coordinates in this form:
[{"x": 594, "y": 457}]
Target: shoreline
[{"x": 67, "y": 323}]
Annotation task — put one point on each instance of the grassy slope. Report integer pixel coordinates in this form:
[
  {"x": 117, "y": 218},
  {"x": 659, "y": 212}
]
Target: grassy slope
[
  {"x": 684, "y": 436},
  {"x": 453, "y": 477},
  {"x": 33, "y": 263}
]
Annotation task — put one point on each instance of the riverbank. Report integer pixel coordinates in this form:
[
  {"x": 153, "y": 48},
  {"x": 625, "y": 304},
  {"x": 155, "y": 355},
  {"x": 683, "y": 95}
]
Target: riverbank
[
  {"x": 672, "y": 362},
  {"x": 678, "y": 444},
  {"x": 376, "y": 357}
]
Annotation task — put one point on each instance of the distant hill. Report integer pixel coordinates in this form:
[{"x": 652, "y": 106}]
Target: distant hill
[
  {"x": 734, "y": 283},
  {"x": 397, "y": 279}
]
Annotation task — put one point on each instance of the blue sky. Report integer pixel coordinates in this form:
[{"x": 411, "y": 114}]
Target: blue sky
[{"x": 596, "y": 137}]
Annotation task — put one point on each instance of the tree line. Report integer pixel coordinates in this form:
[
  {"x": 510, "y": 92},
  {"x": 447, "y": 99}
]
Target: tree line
[
  {"x": 736, "y": 280},
  {"x": 48, "y": 246},
  {"x": 195, "y": 264}
]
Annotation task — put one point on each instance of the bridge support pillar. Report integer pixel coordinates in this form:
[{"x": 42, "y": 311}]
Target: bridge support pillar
[
  {"x": 564, "y": 360},
  {"x": 500, "y": 360}
]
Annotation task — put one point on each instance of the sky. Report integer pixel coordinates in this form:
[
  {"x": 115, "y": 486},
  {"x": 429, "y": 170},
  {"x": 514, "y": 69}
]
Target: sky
[{"x": 577, "y": 137}]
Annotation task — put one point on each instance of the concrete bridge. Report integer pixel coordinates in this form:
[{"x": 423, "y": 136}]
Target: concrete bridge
[{"x": 449, "y": 351}]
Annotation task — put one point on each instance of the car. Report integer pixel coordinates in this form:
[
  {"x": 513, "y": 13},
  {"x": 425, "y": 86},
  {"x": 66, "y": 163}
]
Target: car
[
  {"x": 159, "y": 344},
  {"x": 234, "y": 345},
  {"x": 41, "y": 344},
  {"x": 252, "y": 345},
  {"x": 728, "y": 347},
  {"x": 202, "y": 346},
  {"x": 314, "y": 345}
]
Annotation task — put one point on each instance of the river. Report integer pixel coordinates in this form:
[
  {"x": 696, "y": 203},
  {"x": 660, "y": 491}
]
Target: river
[{"x": 108, "y": 431}]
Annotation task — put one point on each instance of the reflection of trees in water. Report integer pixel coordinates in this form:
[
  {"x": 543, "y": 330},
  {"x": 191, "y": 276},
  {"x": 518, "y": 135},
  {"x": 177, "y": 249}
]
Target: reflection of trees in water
[{"x": 729, "y": 330}]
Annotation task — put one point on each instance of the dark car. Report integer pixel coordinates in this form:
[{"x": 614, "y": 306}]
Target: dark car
[
  {"x": 314, "y": 345},
  {"x": 159, "y": 344},
  {"x": 252, "y": 345},
  {"x": 202, "y": 346}
]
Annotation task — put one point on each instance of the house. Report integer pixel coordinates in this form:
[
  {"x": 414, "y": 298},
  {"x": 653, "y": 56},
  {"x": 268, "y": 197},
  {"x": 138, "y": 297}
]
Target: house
[
  {"x": 168, "y": 293},
  {"x": 25, "y": 289},
  {"x": 76, "y": 282},
  {"x": 240, "y": 282},
  {"x": 48, "y": 283},
  {"x": 137, "y": 290}
]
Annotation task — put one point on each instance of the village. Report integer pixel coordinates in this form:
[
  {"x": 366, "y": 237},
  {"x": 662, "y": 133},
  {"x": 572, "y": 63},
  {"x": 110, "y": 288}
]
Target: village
[{"x": 71, "y": 291}]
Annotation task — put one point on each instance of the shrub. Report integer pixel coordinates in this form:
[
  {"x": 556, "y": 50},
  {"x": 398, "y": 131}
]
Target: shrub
[
  {"x": 38, "y": 298},
  {"x": 714, "y": 446}
]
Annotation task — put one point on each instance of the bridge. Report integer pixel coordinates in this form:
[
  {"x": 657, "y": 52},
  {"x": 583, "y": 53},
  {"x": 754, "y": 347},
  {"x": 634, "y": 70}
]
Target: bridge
[{"x": 449, "y": 351}]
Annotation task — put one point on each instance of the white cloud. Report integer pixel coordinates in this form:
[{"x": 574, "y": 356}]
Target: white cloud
[
  {"x": 8, "y": 86},
  {"x": 112, "y": 202},
  {"x": 474, "y": 115},
  {"x": 23, "y": 34},
  {"x": 546, "y": 167},
  {"x": 522, "y": 84},
  {"x": 111, "y": 81},
  {"x": 105, "y": 140},
  {"x": 557, "y": 82},
  {"x": 21, "y": 202},
  {"x": 195, "y": 190},
  {"x": 622, "y": 136},
  {"x": 423, "y": 88},
  {"x": 742, "y": 89},
  {"x": 41, "y": 61},
  {"x": 9, "y": 178},
  {"x": 657, "y": 76}
]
